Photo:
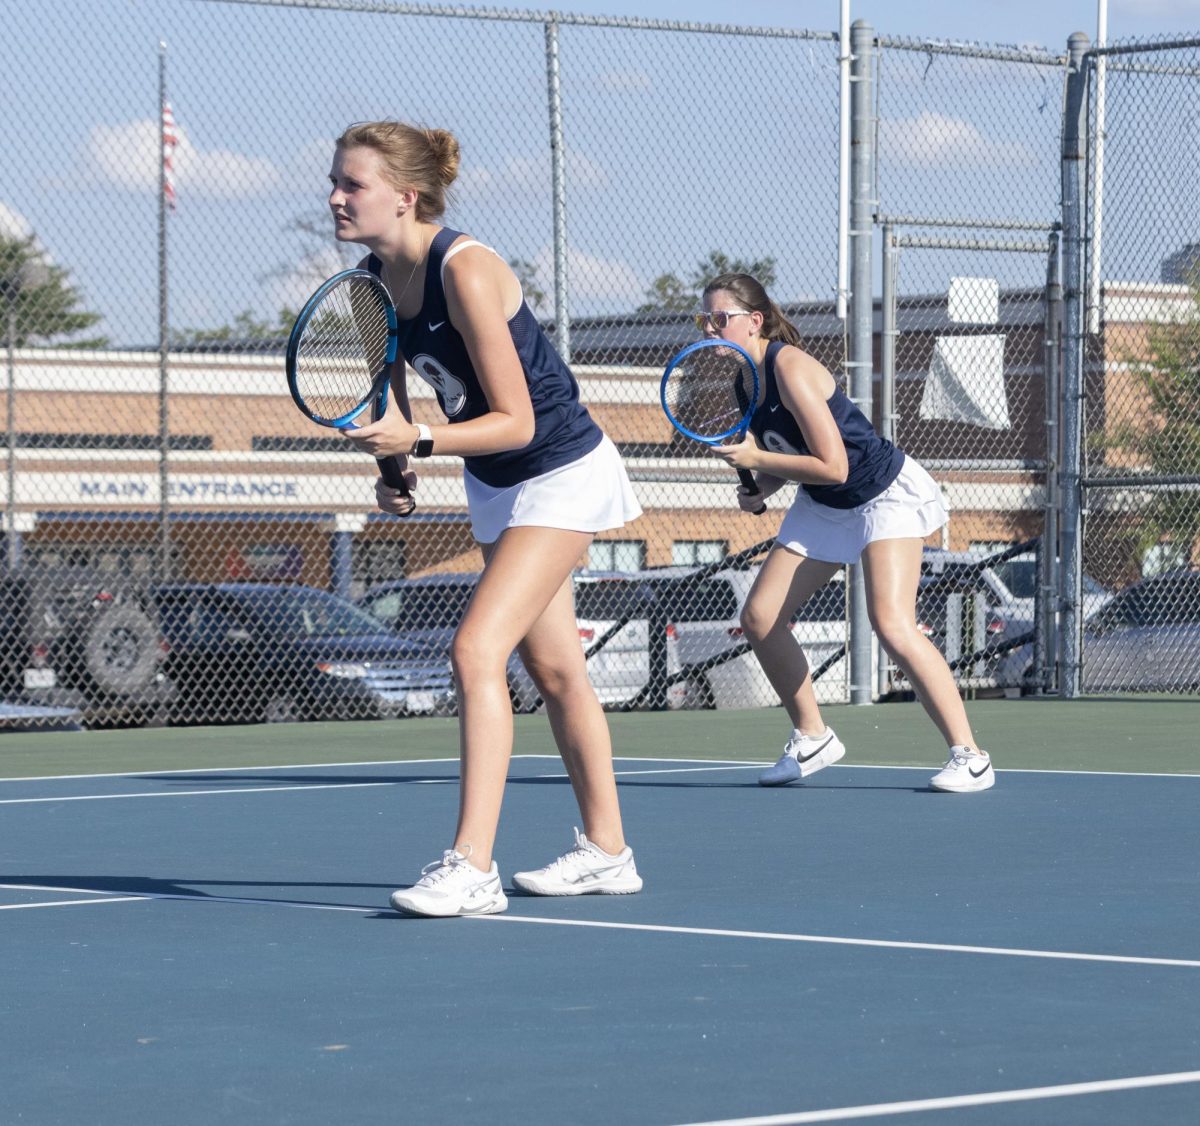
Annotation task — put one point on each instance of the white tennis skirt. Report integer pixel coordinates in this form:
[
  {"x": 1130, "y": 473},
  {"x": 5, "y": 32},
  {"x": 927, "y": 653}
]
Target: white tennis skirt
[
  {"x": 911, "y": 507},
  {"x": 592, "y": 494}
]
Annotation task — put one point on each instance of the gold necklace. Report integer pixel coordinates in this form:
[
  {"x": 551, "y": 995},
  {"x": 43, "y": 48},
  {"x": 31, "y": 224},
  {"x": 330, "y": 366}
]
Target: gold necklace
[{"x": 396, "y": 296}]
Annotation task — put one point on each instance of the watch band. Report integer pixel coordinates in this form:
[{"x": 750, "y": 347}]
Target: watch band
[{"x": 423, "y": 446}]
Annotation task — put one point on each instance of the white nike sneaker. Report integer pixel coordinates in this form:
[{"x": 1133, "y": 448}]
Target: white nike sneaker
[
  {"x": 585, "y": 870},
  {"x": 452, "y": 886},
  {"x": 965, "y": 772},
  {"x": 803, "y": 755}
]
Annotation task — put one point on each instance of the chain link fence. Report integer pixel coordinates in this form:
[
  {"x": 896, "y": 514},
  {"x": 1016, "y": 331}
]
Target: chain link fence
[
  {"x": 1140, "y": 387},
  {"x": 182, "y": 546}
]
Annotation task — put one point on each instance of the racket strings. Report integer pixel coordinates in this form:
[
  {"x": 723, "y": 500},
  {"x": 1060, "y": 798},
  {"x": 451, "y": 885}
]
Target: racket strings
[
  {"x": 343, "y": 347},
  {"x": 710, "y": 394}
]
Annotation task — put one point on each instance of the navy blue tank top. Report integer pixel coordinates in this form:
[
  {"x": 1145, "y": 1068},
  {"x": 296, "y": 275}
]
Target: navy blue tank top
[
  {"x": 563, "y": 430},
  {"x": 874, "y": 463}
]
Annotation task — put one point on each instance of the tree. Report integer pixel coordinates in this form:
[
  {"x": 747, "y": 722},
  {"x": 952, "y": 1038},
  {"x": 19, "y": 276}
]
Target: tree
[
  {"x": 1167, "y": 439},
  {"x": 535, "y": 296},
  {"x": 667, "y": 293},
  {"x": 47, "y": 308},
  {"x": 245, "y": 329}
]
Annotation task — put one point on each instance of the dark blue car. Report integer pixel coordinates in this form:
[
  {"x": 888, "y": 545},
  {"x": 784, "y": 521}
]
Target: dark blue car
[{"x": 256, "y": 652}]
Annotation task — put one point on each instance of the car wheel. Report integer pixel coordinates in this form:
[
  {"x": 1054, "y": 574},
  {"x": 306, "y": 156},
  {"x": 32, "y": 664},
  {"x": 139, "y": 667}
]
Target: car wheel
[
  {"x": 281, "y": 709},
  {"x": 693, "y": 694},
  {"x": 121, "y": 650}
]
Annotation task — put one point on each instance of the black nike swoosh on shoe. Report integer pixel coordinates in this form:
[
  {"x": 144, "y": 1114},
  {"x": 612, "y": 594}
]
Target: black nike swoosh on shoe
[
  {"x": 806, "y": 758},
  {"x": 986, "y": 768}
]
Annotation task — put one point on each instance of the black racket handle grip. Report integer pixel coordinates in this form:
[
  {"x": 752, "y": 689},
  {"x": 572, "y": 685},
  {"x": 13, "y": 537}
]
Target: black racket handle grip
[
  {"x": 748, "y": 483},
  {"x": 390, "y": 471}
]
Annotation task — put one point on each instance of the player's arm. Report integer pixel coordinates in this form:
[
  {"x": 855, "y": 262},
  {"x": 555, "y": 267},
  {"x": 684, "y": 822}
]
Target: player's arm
[{"x": 804, "y": 389}]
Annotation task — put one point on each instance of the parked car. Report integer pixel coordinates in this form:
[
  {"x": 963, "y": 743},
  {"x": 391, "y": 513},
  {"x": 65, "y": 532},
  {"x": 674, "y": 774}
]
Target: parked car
[
  {"x": 966, "y": 603},
  {"x": 1147, "y": 638},
  {"x": 73, "y": 638},
  {"x": 258, "y": 652},
  {"x": 695, "y": 656},
  {"x": 699, "y": 659},
  {"x": 428, "y": 609}
]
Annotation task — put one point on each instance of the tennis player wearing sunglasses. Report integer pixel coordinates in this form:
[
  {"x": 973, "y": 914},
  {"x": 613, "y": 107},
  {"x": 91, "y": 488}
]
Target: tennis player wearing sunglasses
[{"x": 859, "y": 500}]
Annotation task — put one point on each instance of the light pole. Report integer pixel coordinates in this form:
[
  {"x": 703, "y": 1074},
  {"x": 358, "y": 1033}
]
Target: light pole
[{"x": 30, "y": 274}]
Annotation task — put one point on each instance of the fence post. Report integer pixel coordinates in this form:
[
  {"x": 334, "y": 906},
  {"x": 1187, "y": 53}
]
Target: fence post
[
  {"x": 1045, "y": 646},
  {"x": 1074, "y": 222},
  {"x": 860, "y": 362},
  {"x": 562, "y": 321},
  {"x": 887, "y": 384}
]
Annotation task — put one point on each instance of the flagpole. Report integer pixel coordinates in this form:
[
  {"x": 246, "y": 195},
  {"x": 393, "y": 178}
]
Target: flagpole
[{"x": 164, "y": 432}]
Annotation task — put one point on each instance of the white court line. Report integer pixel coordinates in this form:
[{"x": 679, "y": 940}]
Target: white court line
[
  {"x": 70, "y": 902},
  {"x": 951, "y": 1102},
  {"x": 702, "y": 764},
  {"x": 198, "y": 897},
  {"x": 833, "y": 940},
  {"x": 769, "y": 936},
  {"x": 230, "y": 769},
  {"x": 191, "y": 793}
]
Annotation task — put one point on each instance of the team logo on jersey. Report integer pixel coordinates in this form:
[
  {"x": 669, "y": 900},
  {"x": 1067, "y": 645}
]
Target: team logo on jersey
[
  {"x": 772, "y": 441},
  {"x": 451, "y": 391}
]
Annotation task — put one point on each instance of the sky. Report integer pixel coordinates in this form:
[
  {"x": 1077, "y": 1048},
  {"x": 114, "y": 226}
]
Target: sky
[
  {"x": 664, "y": 162},
  {"x": 1046, "y": 23}
]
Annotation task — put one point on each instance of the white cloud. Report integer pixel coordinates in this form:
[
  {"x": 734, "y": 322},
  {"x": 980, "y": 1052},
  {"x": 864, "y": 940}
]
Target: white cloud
[
  {"x": 530, "y": 174},
  {"x": 291, "y": 290},
  {"x": 625, "y": 81},
  {"x": 13, "y": 225},
  {"x": 127, "y": 156},
  {"x": 595, "y": 283},
  {"x": 934, "y": 137}
]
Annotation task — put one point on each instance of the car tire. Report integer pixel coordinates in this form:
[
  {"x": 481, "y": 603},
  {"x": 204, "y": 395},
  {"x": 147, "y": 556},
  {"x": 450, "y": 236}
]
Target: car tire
[
  {"x": 121, "y": 650},
  {"x": 693, "y": 694},
  {"x": 282, "y": 708}
]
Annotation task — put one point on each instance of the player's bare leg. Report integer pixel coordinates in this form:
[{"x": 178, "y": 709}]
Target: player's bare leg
[
  {"x": 785, "y": 582},
  {"x": 555, "y": 659},
  {"x": 892, "y": 572},
  {"x": 525, "y": 570}
]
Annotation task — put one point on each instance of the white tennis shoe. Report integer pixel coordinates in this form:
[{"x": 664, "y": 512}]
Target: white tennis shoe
[
  {"x": 804, "y": 755},
  {"x": 452, "y": 886},
  {"x": 965, "y": 772},
  {"x": 585, "y": 870}
]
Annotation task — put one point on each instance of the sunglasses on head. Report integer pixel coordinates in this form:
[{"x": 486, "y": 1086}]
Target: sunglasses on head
[{"x": 718, "y": 318}]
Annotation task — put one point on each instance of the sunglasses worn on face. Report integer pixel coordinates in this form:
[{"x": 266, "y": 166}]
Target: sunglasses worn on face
[{"x": 718, "y": 318}]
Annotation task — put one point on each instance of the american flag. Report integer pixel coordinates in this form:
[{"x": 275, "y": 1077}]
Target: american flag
[{"x": 170, "y": 138}]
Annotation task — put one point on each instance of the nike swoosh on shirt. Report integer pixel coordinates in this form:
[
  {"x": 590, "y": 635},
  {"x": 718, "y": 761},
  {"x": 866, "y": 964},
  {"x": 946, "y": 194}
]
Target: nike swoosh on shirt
[
  {"x": 773, "y": 408},
  {"x": 434, "y": 327}
]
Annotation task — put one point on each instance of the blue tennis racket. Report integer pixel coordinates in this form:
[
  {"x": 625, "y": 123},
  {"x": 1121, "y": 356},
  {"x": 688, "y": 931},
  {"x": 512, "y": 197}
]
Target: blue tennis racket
[
  {"x": 709, "y": 391},
  {"x": 338, "y": 355}
]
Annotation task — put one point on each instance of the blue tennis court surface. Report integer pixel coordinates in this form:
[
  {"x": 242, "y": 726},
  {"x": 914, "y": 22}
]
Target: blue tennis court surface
[{"x": 216, "y": 946}]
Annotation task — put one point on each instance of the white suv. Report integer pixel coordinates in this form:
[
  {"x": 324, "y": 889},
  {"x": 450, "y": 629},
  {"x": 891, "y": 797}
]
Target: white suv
[{"x": 701, "y": 633}]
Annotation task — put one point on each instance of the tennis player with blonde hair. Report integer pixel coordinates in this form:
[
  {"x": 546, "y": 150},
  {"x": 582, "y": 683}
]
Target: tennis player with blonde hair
[{"x": 541, "y": 480}]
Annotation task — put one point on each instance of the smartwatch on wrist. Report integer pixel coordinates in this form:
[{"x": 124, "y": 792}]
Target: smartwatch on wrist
[{"x": 423, "y": 446}]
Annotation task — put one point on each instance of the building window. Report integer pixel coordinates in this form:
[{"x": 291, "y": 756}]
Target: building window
[
  {"x": 692, "y": 553},
  {"x": 617, "y": 555}
]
